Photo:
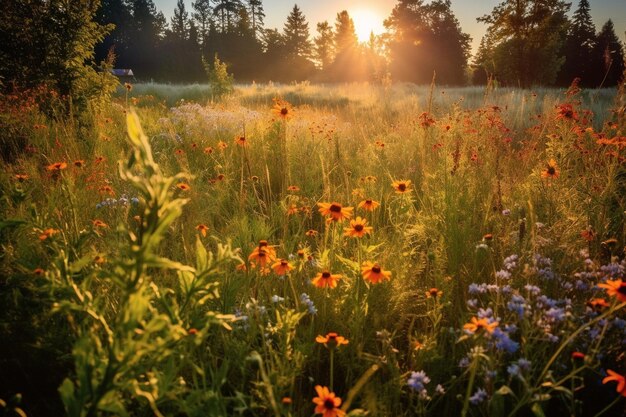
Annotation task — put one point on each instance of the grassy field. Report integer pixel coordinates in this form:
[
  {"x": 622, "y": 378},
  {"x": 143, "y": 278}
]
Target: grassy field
[{"x": 413, "y": 251}]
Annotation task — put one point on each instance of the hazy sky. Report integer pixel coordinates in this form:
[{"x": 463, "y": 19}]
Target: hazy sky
[{"x": 369, "y": 14}]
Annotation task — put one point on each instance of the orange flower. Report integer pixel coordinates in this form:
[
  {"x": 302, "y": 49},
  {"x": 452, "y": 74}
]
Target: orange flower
[
  {"x": 282, "y": 109},
  {"x": 616, "y": 288},
  {"x": 241, "y": 141},
  {"x": 326, "y": 403},
  {"x": 477, "y": 324},
  {"x": 401, "y": 186},
  {"x": 335, "y": 210},
  {"x": 311, "y": 233},
  {"x": 551, "y": 170},
  {"x": 614, "y": 376},
  {"x": 57, "y": 166},
  {"x": 373, "y": 273},
  {"x": 202, "y": 228},
  {"x": 39, "y": 271},
  {"x": 332, "y": 339},
  {"x": 128, "y": 86},
  {"x": 325, "y": 279},
  {"x": 21, "y": 177},
  {"x": 106, "y": 189},
  {"x": 99, "y": 223},
  {"x": 47, "y": 234},
  {"x": 222, "y": 145},
  {"x": 358, "y": 228},
  {"x": 282, "y": 267},
  {"x": 262, "y": 254},
  {"x": 434, "y": 293},
  {"x": 208, "y": 150},
  {"x": 292, "y": 210},
  {"x": 368, "y": 205},
  {"x": 183, "y": 186},
  {"x": 597, "y": 303},
  {"x": 293, "y": 188}
]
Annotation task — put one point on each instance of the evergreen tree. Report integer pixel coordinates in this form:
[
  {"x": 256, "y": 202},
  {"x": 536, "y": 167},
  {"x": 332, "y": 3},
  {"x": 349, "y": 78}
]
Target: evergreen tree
[
  {"x": 202, "y": 15},
  {"x": 257, "y": 16},
  {"x": 147, "y": 31},
  {"x": 227, "y": 11},
  {"x": 179, "y": 23},
  {"x": 296, "y": 34},
  {"x": 324, "y": 45},
  {"x": 579, "y": 48},
  {"x": 427, "y": 38},
  {"x": 525, "y": 33},
  {"x": 117, "y": 13},
  {"x": 349, "y": 64},
  {"x": 609, "y": 57}
]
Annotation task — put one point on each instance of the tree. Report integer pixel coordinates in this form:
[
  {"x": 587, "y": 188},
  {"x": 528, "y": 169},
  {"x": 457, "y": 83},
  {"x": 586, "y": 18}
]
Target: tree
[
  {"x": 226, "y": 10},
  {"x": 524, "y": 33},
  {"x": 117, "y": 13},
  {"x": 324, "y": 45},
  {"x": 609, "y": 57},
  {"x": 257, "y": 16},
  {"x": 202, "y": 15},
  {"x": 427, "y": 38},
  {"x": 296, "y": 35},
  {"x": 180, "y": 22},
  {"x": 146, "y": 33},
  {"x": 51, "y": 42},
  {"x": 348, "y": 64},
  {"x": 579, "y": 48}
]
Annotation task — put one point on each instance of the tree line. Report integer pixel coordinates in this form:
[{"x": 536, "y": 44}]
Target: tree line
[{"x": 528, "y": 43}]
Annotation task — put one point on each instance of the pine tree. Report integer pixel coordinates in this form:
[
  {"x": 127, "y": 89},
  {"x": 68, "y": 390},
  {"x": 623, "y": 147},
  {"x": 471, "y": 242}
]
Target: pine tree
[
  {"x": 257, "y": 16},
  {"x": 324, "y": 45},
  {"x": 349, "y": 64},
  {"x": 579, "y": 48},
  {"x": 227, "y": 11},
  {"x": 117, "y": 13},
  {"x": 608, "y": 56},
  {"x": 296, "y": 34},
  {"x": 525, "y": 33},
  {"x": 202, "y": 15},
  {"x": 180, "y": 22}
]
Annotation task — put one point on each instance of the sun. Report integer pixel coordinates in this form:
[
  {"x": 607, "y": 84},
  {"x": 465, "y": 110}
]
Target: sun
[{"x": 366, "y": 22}]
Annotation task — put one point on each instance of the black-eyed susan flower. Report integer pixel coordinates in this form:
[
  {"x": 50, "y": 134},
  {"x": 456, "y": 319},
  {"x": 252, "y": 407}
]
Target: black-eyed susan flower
[
  {"x": 401, "y": 186},
  {"x": 477, "y": 324},
  {"x": 57, "y": 166},
  {"x": 615, "y": 288},
  {"x": 358, "y": 228},
  {"x": 374, "y": 273},
  {"x": 48, "y": 233},
  {"x": 335, "y": 211},
  {"x": 551, "y": 171},
  {"x": 282, "y": 109},
  {"x": 183, "y": 186},
  {"x": 203, "y": 229},
  {"x": 332, "y": 340},
  {"x": 325, "y": 279},
  {"x": 241, "y": 141},
  {"x": 327, "y": 403},
  {"x": 614, "y": 377},
  {"x": 434, "y": 293},
  {"x": 79, "y": 163},
  {"x": 282, "y": 267},
  {"x": 368, "y": 205}
]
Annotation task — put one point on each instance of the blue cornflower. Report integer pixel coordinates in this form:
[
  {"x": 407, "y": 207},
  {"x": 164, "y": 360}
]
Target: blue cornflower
[
  {"x": 306, "y": 300},
  {"x": 417, "y": 380},
  {"x": 479, "y": 396}
]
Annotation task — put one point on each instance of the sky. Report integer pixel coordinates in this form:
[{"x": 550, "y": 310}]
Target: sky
[{"x": 369, "y": 14}]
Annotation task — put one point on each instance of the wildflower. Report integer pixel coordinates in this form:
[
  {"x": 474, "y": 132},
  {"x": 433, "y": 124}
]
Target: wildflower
[
  {"x": 578, "y": 355},
  {"x": 106, "y": 189},
  {"x": 488, "y": 237},
  {"x": 277, "y": 299},
  {"x": 21, "y": 177},
  {"x": 262, "y": 254},
  {"x": 551, "y": 170},
  {"x": 621, "y": 381},
  {"x": 183, "y": 186},
  {"x": 335, "y": 210},
  {"x": 326, "y": 403},
  {"x": 615, "y": 288},
  {"x": 99, "y": 160},
  {"x": 597, "y": 304},
  {"x": 373, "y": 273},
  {"x": 477, "y": 324},
  {"x": 417, "y": 380},
  {"x": 39, "y": 271},
  {"x": 192, "y": 331},
  {"x": 241, "y": 141},
  {"x": 369, "y": 179},
  {"x": 292, "y": 210},
  {"x": 479, "y": 396},
  {"x": 401, "y": 186},
  {"x": 79, "y": 163},
  {"x": 57, "y": 166},
  {"x": 306, "y": 300},
  {"x": 99, "y": 223},
  {"x": 128, "y": 87},
  {"x": 202, "y": 228},
  {"x": 311, "y": 233},
  {"x": 286, "y": 400},
  {"x": 358, "y": 228},
  {"x": 282, "y": 267},
  {"x": 208, "y": 150},
  {"x": 222, "y": 145},
  {"x": 325, "y": 279},
  {"x": 434, "y": 293},
  {"x": 368, "y": 205},
  {"x": 179, "y": 152},
  {"x": 588, "y": 234},
  {"x": 332, "y": 340},
  {"x": 47, "y": 234},
  {"x": 283, "y": 110},
  {"x": 293, "y": 188}
]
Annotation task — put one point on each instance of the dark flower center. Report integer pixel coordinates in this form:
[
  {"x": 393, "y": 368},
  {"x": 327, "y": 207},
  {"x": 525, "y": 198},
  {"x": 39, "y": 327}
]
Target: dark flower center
[
  {"x": 376, "y": 269},
  {"x": 551, "y": 171},
  {"x": 284, "y": 111},
  {"x": 358, "y": 227},
  {"x": 335, "y": 208},
  {"x": 329, "y": 404},
  {"x": 402, "y": 187},
  {"x": 325, "y": 275},
  {"x": 622, "y": 289},
  {"x": 368, "y": 202}
]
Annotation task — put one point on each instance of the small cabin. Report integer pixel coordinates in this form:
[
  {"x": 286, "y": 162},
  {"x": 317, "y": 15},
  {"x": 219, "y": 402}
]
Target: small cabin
[{"x": 123, "y": 74}]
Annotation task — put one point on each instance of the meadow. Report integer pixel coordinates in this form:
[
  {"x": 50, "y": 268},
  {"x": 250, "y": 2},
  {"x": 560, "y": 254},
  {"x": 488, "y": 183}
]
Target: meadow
[{"x": 291, "y": 250}]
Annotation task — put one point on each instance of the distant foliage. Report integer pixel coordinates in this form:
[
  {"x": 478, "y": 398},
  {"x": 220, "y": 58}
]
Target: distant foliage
[{"x": 220, "y": 80}]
